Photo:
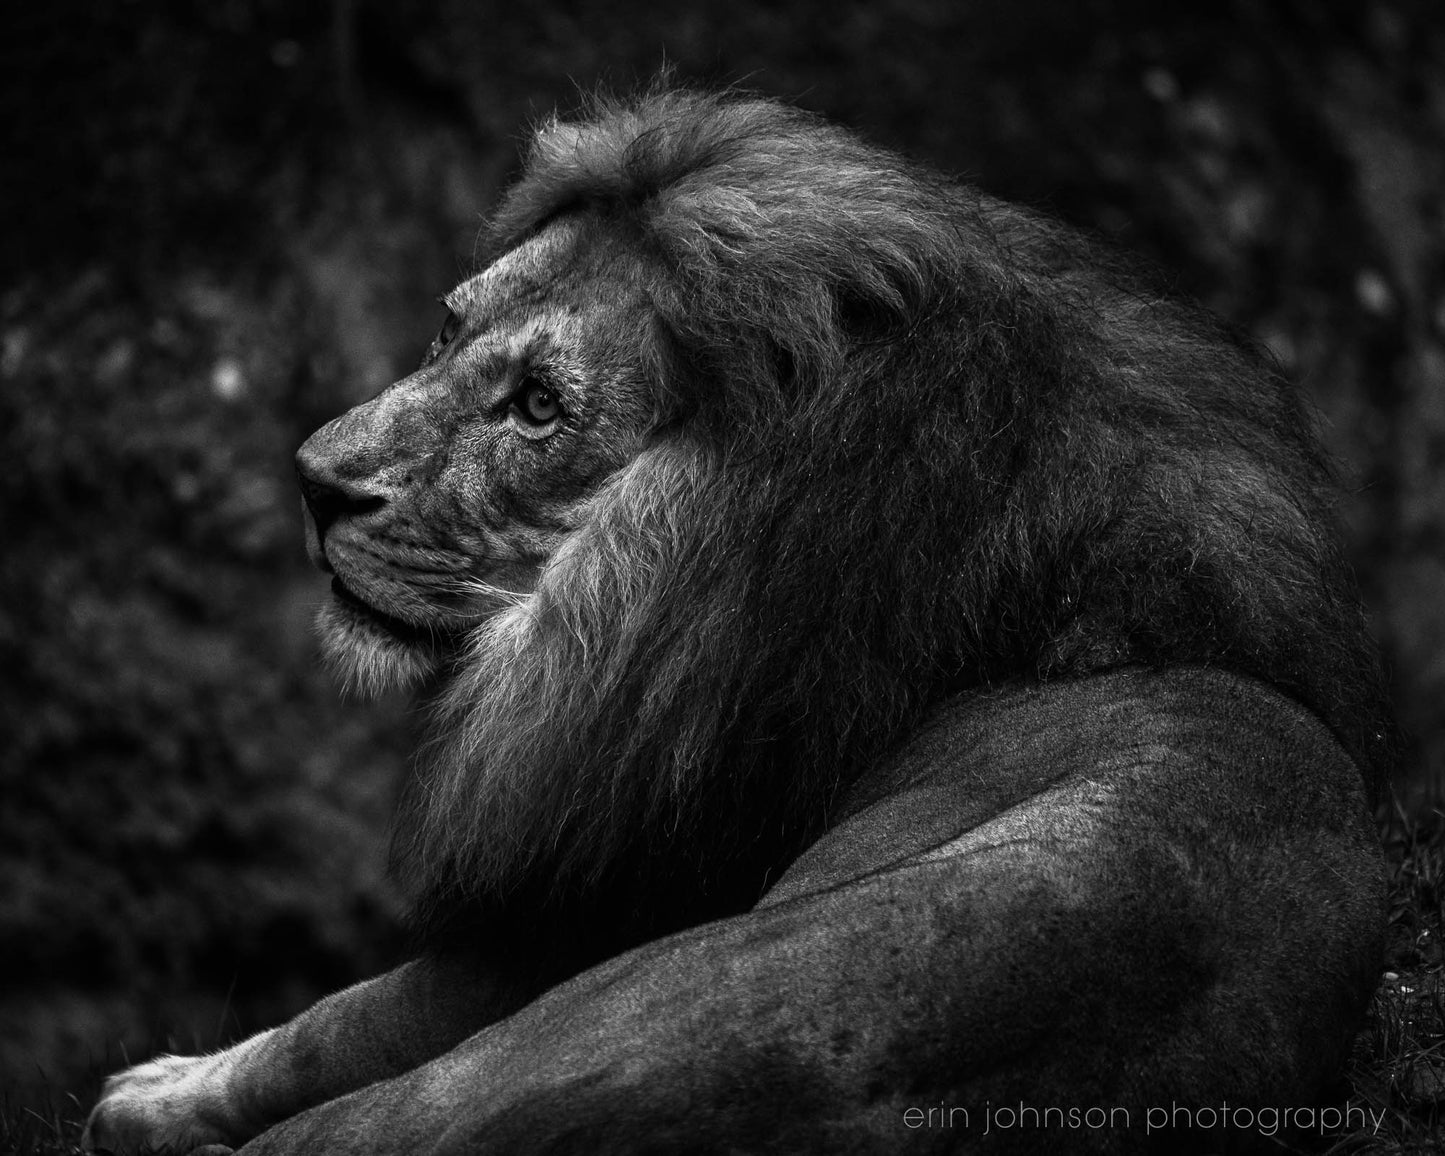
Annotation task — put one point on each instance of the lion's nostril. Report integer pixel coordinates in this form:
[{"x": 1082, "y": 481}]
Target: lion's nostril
[{"x": 328, "y": 500}]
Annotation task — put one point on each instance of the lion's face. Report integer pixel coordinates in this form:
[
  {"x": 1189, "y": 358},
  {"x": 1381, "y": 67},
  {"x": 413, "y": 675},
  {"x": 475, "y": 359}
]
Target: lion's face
[{"x": 437, "y": 503}]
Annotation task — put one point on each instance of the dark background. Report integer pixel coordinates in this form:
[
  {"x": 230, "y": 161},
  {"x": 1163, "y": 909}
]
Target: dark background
[{"x": 223, "y": 223}]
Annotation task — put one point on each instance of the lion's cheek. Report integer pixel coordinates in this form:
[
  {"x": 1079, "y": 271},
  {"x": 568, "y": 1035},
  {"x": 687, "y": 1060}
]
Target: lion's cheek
[{"x": 364, "y": 657}]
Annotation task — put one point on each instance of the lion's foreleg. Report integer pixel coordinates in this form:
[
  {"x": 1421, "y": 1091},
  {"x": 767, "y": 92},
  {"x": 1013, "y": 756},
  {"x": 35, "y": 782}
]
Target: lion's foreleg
[
  {"x": 1069, "y": 954},
  {"x": 792, "y": 1027},
  {"x": 372, "y": 1031}
]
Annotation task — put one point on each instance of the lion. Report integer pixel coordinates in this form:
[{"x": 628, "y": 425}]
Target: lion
[{"x": 890, "y": 671}]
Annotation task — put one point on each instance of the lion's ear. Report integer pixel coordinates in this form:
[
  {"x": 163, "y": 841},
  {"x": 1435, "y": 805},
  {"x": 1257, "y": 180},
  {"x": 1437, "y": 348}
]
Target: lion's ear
[{"x": 865, "y": 320}]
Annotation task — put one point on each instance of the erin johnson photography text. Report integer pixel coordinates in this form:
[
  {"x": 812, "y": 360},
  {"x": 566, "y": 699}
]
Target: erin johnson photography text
[{"x": 1265, "y": 1121}]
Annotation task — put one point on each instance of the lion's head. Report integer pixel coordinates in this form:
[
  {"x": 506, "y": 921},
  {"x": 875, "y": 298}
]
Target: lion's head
[
  {"x": 752, "y": 443},
  {"x": 436, "y": 505}
]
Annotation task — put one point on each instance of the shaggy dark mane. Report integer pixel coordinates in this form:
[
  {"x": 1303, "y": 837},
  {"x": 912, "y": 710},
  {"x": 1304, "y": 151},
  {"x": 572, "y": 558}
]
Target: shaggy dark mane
[{"x": 913, "y": 441}]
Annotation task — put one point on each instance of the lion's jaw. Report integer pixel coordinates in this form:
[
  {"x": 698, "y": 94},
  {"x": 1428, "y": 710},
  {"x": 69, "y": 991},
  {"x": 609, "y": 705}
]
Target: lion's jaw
[
  {"x": 365, "y": 655},
  {"x": 369, "y": 652},
  {"x": 436, "y": 505}
]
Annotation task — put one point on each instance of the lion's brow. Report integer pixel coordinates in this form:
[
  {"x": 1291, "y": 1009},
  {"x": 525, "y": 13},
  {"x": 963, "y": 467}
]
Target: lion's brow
[
  {"x": 490, "y": 305},
  {"x": 459, "y": 299},
  {"x": 525, "y": 273}
]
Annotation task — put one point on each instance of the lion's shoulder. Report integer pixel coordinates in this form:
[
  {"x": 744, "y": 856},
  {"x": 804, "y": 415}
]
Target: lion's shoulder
[{"x": 1190, "y": 760}]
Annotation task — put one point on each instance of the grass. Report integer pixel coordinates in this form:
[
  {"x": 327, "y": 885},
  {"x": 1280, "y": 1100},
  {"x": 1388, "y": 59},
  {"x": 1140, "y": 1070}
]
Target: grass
[
  {"x": 1398, "y": 1066},
  {"x": 50, "y": 1127}
]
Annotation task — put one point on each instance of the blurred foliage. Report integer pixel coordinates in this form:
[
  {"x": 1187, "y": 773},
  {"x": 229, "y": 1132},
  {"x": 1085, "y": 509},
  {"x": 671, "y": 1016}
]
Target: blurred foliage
[{"x": 226, "y": 222}]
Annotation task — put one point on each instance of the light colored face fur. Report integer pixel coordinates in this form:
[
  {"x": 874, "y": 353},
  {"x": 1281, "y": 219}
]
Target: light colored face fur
[{"x": 438, "y": 503}]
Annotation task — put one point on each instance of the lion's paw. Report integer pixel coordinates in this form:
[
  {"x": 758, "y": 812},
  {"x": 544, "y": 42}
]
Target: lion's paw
[{"x": 172, "y": 1104}]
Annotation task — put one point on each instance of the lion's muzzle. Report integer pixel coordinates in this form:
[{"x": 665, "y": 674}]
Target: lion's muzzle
[{"x": 328, "y": 497}]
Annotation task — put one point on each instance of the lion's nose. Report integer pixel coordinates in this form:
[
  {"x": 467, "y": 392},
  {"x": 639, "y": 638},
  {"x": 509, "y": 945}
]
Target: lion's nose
[{"x": 328, "y": 495}]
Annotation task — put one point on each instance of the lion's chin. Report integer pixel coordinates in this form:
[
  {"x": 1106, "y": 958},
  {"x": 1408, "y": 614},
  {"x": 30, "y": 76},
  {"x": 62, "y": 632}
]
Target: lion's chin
[{"x": 366, "y": 656}]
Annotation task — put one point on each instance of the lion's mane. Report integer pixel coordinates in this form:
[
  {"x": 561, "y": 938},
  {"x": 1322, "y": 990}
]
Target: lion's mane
[{"x": 912, "y": 441}]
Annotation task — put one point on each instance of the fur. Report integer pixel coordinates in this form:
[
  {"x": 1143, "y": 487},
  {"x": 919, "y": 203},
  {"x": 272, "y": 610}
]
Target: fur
[{"x": 911, "y": 442}]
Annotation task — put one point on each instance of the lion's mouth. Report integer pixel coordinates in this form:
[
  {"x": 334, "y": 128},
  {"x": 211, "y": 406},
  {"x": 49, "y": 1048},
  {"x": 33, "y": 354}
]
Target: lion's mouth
[{"x": 404, "y": 631}]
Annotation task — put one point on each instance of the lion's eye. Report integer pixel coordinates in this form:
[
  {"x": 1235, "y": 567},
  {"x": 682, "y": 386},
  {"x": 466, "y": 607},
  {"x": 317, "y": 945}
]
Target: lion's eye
[
  {"x": 442, "y": 339},
  {"x": 536, "y": 403}
]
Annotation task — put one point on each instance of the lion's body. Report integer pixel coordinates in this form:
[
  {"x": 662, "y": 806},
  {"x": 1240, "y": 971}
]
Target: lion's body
[{"x": 850, "y": 609}]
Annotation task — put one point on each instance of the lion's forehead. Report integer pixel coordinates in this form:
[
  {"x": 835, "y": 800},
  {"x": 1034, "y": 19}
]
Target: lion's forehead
[
  {"x": 559, "y": 295},
  {"x": 568, "y": 260},
  {"x": 532, "y": 268}
]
